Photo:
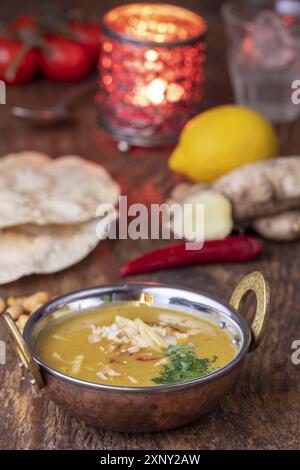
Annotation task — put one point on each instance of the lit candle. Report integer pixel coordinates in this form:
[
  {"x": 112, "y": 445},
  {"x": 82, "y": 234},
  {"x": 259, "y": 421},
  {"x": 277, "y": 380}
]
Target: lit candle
[{"x": 151, "y": 72}]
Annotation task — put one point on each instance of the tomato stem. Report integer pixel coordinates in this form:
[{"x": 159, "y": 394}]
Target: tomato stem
[{"x": 12, "y": 69}]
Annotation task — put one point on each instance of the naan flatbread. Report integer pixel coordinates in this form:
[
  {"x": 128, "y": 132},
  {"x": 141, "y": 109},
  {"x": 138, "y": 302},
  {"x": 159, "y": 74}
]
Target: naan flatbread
[
  {"x": 29, "y": 249},
  {"x": 35, "y": 189}
]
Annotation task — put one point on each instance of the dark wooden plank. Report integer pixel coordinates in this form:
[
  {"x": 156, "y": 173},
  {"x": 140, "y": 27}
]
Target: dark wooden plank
[{"x": 263, "y": 411}]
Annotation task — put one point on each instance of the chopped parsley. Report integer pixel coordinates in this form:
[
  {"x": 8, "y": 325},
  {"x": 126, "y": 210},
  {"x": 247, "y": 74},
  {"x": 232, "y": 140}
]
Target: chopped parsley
[{"x": 184, "y": 365}]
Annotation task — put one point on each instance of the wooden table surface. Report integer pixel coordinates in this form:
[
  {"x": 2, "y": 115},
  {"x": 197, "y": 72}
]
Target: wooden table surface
[{"x": 263, "y": 411}]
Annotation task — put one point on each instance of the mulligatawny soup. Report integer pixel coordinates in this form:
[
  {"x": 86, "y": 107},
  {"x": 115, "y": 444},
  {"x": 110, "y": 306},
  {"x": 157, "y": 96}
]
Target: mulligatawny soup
[{"x": 130, "y": 345}]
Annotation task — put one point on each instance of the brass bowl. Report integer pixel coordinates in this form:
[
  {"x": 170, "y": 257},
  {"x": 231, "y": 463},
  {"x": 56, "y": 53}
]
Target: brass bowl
[{"x": 154, "y": 408}]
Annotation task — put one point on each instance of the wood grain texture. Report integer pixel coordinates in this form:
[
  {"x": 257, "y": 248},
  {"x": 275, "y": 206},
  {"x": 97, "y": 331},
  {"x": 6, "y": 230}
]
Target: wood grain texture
[{"x": 263, "y": 411}]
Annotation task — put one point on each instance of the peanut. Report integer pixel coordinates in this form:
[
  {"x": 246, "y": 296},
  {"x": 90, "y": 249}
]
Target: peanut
[
  {"x": 15, "y": 311},
  {"x": 34, "y": 301},
  {"x": 12, "y": 300},
  {"x": 35, "y": 307},
  {"x": 2, "y": 305},
  {"x": 21, "y": 322}
]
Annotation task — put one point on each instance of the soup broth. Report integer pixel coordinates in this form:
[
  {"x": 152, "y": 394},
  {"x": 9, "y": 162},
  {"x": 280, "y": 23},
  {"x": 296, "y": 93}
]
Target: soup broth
[{"x": 135, "y": 345}]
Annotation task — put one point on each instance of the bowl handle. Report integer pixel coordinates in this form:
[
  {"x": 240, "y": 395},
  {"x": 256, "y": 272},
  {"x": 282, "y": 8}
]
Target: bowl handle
[
  {"x": 257, "y": 283},
  {"x": 18, "y": 343}
]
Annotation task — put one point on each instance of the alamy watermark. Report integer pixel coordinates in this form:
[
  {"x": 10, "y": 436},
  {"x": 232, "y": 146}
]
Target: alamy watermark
[
  {"x": 296, "y": 93},
  {"x": 2, "y": 352},
  {"x": 160, "y": 221},
  {"x": 295, "y": 357},
  {"x": 2, "y": 92}
]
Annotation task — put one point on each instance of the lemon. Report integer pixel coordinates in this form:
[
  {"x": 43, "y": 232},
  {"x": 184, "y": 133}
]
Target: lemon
[{"x": 221, "y": 139}]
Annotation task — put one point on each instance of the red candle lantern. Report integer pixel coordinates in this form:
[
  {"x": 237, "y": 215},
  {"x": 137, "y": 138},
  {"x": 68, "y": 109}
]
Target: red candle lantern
[{"x": 151, "y": 72}]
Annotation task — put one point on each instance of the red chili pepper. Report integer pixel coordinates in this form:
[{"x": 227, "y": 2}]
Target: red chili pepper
[{"x": 235, "y": 248}]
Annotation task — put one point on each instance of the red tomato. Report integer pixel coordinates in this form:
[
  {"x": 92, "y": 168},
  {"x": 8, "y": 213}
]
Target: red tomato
[
  {"x": 64, "y": 59},
  {"x": 28, "y": 21},
  {"x": 87, "y": 34},
  {"x": 27, "y": 66}
]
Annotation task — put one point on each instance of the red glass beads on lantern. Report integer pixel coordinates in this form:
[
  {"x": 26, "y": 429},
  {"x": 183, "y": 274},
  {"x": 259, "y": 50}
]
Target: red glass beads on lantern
[{"x": 151, "y": 72}]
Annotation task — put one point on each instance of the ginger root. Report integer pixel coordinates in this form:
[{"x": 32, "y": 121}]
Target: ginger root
[
  {"x": 264, "y": 195},
  {"x": 217, "y": 223},
  {"x": 262, "y": 189},
  {"x": 280, "y": 227}
]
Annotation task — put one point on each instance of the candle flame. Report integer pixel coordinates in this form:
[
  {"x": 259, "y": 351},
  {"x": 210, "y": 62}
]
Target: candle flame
[
  {"x": 156, "y": 90},
  {"x": 151, "y": 55}
]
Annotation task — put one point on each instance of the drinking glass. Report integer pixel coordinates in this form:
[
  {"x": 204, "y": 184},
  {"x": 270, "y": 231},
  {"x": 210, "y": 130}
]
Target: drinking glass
[{"x": 264, "y": 55}]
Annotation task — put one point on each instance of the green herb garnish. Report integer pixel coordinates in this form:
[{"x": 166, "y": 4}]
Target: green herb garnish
[{"x": 184, "y": 365}]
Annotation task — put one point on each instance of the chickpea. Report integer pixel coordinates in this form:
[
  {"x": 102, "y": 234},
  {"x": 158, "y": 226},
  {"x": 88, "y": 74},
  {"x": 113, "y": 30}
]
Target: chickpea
[
  {"x": 34, "y": 301},
  {"x": 36, "y": 307},
  {"x": 15, "y": 311},
  {"x": 2, "y": 305},
  {"x": 21, "y": 322},
  {"x": 12, "y": 300}
]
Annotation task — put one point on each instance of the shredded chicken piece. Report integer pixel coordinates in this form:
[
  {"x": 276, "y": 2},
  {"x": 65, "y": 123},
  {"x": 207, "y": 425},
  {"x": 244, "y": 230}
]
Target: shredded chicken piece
[
  {"x": 134, "y": 335},
  {"x": 113, "y": 373},
  {"x": 60, "y": 338},
  {"x": 194, "y": 331},
  {"x": 101, "y": 375},
  {"x": 57, "y": 356},
  {"x": 132, "y": 379},
  {"x": 161, "y": 362},
  {"x": 76, "y": 364},
  {"x": 107, "y": 371}
]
